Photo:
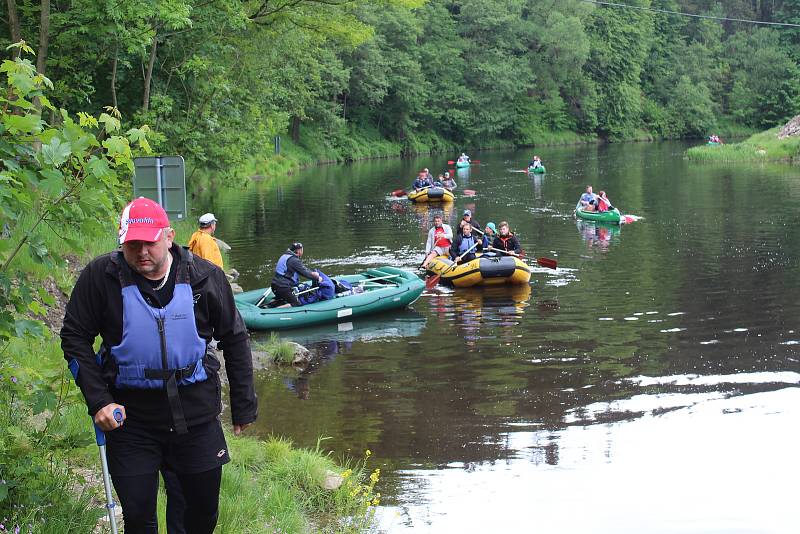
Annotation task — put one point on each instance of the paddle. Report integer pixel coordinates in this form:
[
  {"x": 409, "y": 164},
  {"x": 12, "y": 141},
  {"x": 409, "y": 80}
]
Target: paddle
[
  {"x": 544, "y": 262},
  {"x": 399, "y": 193},
  {"x": 222, "y": 244},
  {"x": 431, "y": 281},
  {"x": 469, "y": 192}
]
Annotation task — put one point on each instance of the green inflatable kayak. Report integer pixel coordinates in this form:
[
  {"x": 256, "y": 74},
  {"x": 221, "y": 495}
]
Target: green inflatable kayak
[
  {"x": 462, "y": 164},
  {"x": 537, "y": 170},
  {"x": 374, "y": 291},
  {"x": 610, "y": 216}
]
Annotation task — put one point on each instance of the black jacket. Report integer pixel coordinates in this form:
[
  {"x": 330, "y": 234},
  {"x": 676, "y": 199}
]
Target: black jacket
[
  {"x": 95, "y": 308},
  {"x": 474, "y": 224},
  {"x": 293, "y": 265},
  {"x": 509, "y": 243}
]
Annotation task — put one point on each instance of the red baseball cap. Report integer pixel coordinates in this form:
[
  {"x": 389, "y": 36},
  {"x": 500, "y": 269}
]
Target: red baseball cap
[{"x": 142, "y": 220}]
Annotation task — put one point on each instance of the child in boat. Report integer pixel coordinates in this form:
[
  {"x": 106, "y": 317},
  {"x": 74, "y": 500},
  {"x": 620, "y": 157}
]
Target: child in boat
[{"x": 603, "y": 204}]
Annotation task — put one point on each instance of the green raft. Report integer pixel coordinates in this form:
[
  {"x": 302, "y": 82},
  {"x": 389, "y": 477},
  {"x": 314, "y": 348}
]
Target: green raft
[
  {"x": 462, "y": 164},
  {"x": 537, "y": 170},
  {"x": 610, "y": 216},
  {"x": 374, "y": 291}
]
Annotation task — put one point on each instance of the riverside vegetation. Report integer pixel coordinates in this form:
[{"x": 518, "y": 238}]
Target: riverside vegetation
[
  {"x": 60, "y": 192},
  {"x": 347, "y": 79}
]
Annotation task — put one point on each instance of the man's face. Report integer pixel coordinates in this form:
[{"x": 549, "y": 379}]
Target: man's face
[
  {"x": 467, "y": 229},
  {"x": 504, "y": 230},
  {"x": 149, "y": 258},
  {"x": 437, "y": 222},
  {"x": 299, "y": 252},
  {"x": 589, "y": 189}
]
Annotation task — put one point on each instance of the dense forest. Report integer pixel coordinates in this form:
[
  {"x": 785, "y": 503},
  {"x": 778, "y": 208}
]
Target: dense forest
[{"x": 216, "y": 79}]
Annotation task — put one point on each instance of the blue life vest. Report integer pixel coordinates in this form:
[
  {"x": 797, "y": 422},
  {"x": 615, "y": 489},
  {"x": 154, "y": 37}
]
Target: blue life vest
[
  {"x": 282, "y": 268},
  {"x": 466, "y": 244},
  {"x": 158, "y": 343}
]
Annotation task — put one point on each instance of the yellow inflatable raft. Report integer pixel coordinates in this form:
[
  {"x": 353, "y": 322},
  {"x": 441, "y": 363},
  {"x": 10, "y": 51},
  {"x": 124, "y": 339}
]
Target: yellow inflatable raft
[
  {"x": 431, "y": 194},
  {"x": 484, "y": 270}
]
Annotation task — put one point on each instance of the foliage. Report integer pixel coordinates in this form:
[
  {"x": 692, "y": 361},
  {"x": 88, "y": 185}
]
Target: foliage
[
  {"x": 56, "y": 174},
  {"x": 764, "y": 146}
]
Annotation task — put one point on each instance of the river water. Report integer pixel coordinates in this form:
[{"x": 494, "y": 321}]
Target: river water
[{"x": 649, "y": 384}]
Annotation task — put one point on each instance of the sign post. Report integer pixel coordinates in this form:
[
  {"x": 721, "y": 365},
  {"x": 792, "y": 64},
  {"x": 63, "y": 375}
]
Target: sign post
[{"x": 163, "y": 179}]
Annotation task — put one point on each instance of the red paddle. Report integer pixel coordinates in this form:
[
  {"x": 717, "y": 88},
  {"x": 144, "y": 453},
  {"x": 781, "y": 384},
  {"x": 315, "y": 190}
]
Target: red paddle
[
  {"x": 544, "y": 262},
  {"x": 451, "y": 162},
  {"x": 399, "y": 193},
  {"x": 469, "y": 192}
]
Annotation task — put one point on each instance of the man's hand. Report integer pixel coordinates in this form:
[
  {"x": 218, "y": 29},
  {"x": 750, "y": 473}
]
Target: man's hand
[
  {"x": 317, "y": 276},
  {"x": 238, "y": 429},
  {"x": 104, "y": 418}
]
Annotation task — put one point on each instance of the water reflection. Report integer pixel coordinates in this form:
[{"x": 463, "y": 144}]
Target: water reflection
[
  {"x": 597, "y": 234},
  {"x": 507, "y": 412}
]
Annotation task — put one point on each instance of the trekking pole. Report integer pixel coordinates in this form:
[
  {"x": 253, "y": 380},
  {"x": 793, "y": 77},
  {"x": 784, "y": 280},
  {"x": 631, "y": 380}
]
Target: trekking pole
[{"x": 100, "y": 438}]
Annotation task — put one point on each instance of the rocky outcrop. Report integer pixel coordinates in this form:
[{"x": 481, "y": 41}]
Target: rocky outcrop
[{"x": 791, "y": 129}]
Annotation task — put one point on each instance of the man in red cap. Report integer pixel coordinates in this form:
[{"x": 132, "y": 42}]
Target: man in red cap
[{"x": 156, "y": 309}]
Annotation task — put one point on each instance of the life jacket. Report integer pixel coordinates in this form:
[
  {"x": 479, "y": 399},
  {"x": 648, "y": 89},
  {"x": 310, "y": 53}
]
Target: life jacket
[
  {"x": 466, "y": 244},
  {"x": 282, "y": 268},
  {"x": 160, "y": 347},
  {"x": 602, "y": 204},
  {"x": 439, "y": 240}
]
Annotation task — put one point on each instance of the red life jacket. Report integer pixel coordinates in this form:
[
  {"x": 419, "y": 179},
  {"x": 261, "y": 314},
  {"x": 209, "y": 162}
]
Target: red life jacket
[
  {"x": 505, "y": 241},
  {"x": 439, "y": 239}
]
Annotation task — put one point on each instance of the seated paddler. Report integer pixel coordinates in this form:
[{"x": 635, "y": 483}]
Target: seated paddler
[
  {"x": 287, "y": 275},
  {"x": 465, "y": 244}
]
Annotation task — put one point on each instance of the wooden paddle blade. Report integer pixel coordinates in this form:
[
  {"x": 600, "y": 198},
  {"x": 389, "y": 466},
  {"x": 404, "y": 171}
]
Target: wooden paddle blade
[
  {"x": 547, "y": 262},
  {"x": 431, "y": 281}
]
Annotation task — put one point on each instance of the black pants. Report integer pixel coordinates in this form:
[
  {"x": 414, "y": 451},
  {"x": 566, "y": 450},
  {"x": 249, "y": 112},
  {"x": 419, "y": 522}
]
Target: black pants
[
  {"x": 285, "y": 294},
  {"x": 137, "y": 495},
  {"x": 192, "y": 467},
  {"x": 176, "y": 504}
]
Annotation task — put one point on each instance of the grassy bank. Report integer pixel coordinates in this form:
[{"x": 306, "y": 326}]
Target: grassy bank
[
  {"x": 49, "y": 467},
  {"x": 763, "y": 146}
]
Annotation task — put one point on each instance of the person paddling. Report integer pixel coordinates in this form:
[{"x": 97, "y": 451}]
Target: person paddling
[
  {"x": 465, "y": 245},
  {"x": 506, "y": 241},
  {"x": 489, "y": 233},
  {"x": 448, "y": 181},
  {"x": 587, "y": 200},
  {"x": 157, "y": 308},
  {"x": 288, "y": 272},
  {"x": 421, "y": 182},
  {"x": 467, "y": 217},
  {"x": 440, "y": 237}
]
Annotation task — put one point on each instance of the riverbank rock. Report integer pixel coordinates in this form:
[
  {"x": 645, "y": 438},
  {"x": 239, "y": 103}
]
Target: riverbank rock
[
  {"x": 302, "y": 357},
  {"x": 791, "y": 129},
  {"x": 332, "y": 481}
]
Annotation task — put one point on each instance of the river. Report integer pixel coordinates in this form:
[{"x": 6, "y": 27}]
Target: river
[{"x": 649, "y": 384}]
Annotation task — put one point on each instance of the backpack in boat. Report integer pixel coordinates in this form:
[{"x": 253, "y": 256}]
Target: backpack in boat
[
  {"x": 342, "y": 285},
  {"x": 326, "y": 290}
]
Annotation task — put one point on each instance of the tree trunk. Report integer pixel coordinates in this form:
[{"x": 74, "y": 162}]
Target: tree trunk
[
  {"x": 114, "y": 76},
  {"x": 44, "y": 37},
  {"x": 294, "y": 129},
  {"x": 148, "y": 77},
  {"x": 13, "y": 25}
]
